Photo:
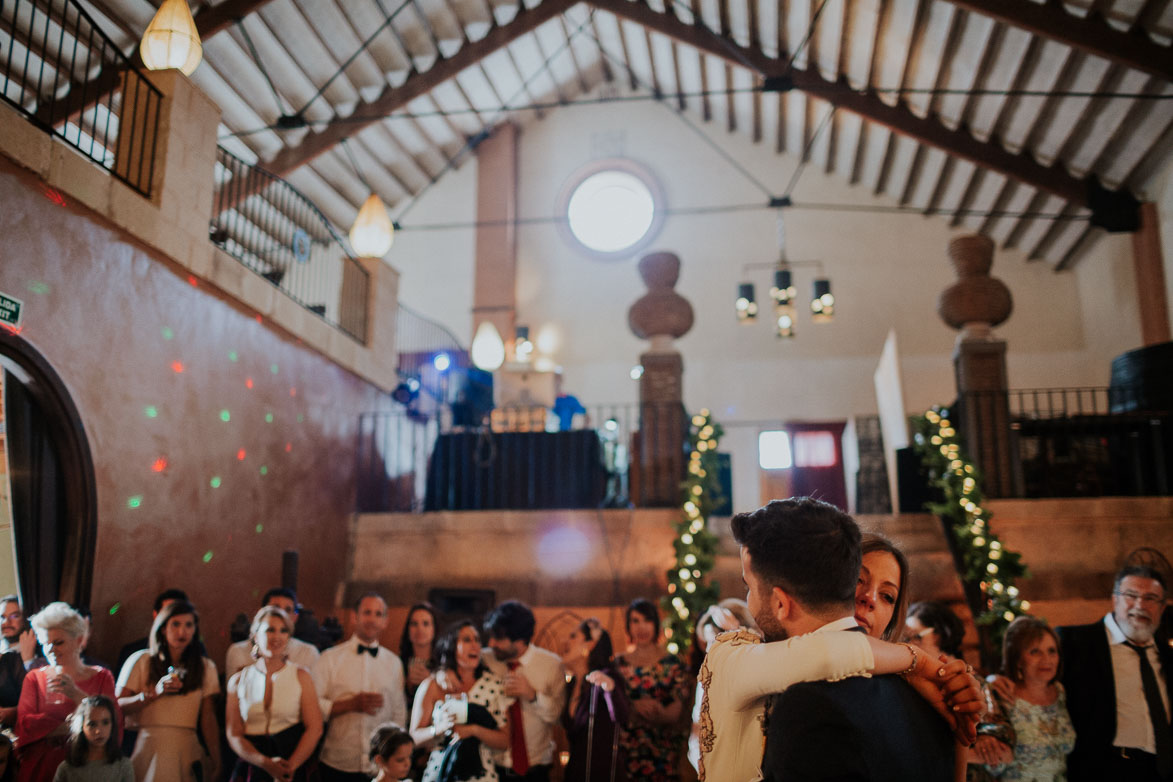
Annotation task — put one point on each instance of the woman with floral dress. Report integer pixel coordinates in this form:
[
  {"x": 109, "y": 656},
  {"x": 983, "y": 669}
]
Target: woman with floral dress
[
  {"x": 657, "y": 686},
  {"x": 1038, "y": 712}
]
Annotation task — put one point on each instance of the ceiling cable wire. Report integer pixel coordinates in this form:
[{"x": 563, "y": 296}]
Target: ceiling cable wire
[
  {"x": 717, "y": 92},
  {"x": 362, "y": 48},
  {"x": 810, "y": 32},
  {"x": 260, "y": 66},
  {"x": 701, "y": 211},
  {"x": 676, "y": 111},
  {"x": 473, "y": 141},
  {"x": 354, "y": 165},
  {"x": 806, "y": 153}
]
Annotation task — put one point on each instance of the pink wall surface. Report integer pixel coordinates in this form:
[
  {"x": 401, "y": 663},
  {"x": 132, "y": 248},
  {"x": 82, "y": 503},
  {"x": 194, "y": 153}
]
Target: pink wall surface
[{"x": 218, "y": 442}]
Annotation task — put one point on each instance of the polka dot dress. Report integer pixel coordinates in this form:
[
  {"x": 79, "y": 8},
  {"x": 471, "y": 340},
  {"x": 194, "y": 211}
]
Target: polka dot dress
[{"x": 487, "y": 691}]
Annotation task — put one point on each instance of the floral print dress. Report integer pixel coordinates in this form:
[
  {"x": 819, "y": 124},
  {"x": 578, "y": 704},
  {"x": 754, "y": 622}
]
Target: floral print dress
[
  {"x": 653, "y": 751},
  {"x": 1044, "y": 739}
]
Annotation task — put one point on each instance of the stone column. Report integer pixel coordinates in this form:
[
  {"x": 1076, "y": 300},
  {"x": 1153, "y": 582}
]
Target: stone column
[
  {"x": 973, "y": 305},
  {"x": 661, "y": 316}
]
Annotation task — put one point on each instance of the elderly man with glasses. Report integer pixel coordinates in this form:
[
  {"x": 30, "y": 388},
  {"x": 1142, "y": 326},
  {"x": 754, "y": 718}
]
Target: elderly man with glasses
[{"x": 1116, "y": 675}]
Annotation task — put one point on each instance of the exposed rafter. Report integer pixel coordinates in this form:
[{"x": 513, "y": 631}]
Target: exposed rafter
[
  {"x": 83, "y": 96},
  {"x": 1091, "y": 34},
  {"x": 418, "y": 84},
  {"x": 959, "y": 142}
]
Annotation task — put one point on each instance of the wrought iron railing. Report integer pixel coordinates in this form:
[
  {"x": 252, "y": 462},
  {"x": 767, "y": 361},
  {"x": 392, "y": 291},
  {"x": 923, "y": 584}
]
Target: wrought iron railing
[
  {"x": 60, "y": 70},
  {"x": 271, "y": 228},
  {"x": 419, "y": 339},
  {"x": 1073, "y": 442},
  {"x": 410, "y": 459}
]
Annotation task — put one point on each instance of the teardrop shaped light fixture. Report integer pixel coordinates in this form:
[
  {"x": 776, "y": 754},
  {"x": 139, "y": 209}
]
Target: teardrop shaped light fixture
[
  {"x": 171, "y": 39},
  {"x": 373, "y": 233},
  {"x": 488, "y": 349}
]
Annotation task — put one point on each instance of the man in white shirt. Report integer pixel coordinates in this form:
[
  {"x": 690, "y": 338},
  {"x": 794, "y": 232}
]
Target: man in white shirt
[
  {"x": 536, "y": 680},
  {"x": 303, "y": 654},
  {"x": 360, "y": 686},
  {"x": 19, "y": 648},
  {"x": 1116, "y": 673}
]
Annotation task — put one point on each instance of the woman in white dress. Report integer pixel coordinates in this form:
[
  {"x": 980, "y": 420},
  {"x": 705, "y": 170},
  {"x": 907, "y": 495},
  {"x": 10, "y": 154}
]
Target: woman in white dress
[
  {"x": 274, "y": 721},
  {"x": 167, "y": 691},
  {"x": 440, "y": 714}
]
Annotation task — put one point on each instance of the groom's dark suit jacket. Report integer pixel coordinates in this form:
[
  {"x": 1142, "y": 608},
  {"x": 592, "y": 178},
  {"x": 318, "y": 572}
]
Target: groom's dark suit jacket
[
  {"x": 1091, "y": 696},
  {"x": 856, "y": 730}
]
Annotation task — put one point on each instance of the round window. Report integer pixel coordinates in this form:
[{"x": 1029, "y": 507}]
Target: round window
[{"x": 612, "y": 208}]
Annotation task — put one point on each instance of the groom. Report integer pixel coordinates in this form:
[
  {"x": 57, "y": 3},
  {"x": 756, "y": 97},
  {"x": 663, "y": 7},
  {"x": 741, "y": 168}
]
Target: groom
[{"x": 800, "y": 559}]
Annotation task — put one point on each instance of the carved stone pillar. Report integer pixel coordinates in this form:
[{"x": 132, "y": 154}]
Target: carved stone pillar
[
  {"x": 974, "y": 304},
  {"x": 661, "y": 316}
]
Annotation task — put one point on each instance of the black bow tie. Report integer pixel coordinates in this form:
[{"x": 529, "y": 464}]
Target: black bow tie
[{"x": 371, "y": 650}]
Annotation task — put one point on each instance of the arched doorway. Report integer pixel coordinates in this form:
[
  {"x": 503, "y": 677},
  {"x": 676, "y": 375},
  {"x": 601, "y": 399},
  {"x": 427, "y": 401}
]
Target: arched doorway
[{"x": 51, "y": 479}]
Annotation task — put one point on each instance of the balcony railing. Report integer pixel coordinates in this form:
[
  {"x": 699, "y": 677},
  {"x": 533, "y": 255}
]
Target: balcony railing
[
  {"x": 271, "y": 228},
  {"x": 61, "y": 71},
  {"x": 520, "y": 458},
  {"x": 1073, "y": 442}
]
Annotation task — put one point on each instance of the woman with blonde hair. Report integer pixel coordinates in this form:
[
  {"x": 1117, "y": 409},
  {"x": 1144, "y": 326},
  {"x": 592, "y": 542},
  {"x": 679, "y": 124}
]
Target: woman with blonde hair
[
  {"x": 50, "y": 694},
  {"x": 273, "y": 717}
]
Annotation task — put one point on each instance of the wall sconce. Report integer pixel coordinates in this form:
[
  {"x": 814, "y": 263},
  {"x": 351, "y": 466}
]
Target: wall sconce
[
  {"x": 747, "y": 308},
  {"x": 171, "y": 39},
  {"x": 373, "y": 233},
  {"x": 488, "y": 349},
  {"x": 822, "y": 302}
]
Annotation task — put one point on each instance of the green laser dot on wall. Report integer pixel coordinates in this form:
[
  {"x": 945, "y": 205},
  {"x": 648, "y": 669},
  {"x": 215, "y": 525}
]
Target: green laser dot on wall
[
  {"x": 168, "y": 333},
  {"x": 225, "y": 416},
  {"x": 273, "y": 368},
  {"x": 268, "y": 418},
  {"x": 150, "y": 411},
  {"x": 135, "y": 501},
  {"x": 260, "y": 528},
  {"x": 114, "y": 608},
  {"x": 232, "y": 355},
  {"x": 207, "y": 556},
  {"x": 215, "y": 482}
]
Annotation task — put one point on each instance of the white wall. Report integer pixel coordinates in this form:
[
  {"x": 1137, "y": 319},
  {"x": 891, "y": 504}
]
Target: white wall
[{"x": 886, "y": 270}]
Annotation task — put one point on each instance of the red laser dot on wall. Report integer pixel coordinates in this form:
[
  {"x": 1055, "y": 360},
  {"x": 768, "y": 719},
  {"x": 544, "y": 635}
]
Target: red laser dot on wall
[
  {"x": 54, "y": 195},
  {"x": 159, "y": 465},
  {"x": 240, "y": 455},
  {"x": 293, "y": 392},
  {"x": 192, "y": 281},
  {"x": 259, "y": 318},
  {"x": 288, "y": 447},
  {"x": 248, "y": 382},
  {"x": 177, "y": 367}
]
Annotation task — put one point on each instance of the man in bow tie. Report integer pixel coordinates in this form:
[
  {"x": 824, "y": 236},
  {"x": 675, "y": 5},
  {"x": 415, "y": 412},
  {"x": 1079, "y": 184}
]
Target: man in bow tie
[{"x": 360, "y": 686}]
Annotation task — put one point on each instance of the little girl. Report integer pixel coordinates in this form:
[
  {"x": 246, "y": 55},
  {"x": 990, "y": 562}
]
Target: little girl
[
  {"x": 390, "y": 751},
  {"x": 93, "y": 752}
]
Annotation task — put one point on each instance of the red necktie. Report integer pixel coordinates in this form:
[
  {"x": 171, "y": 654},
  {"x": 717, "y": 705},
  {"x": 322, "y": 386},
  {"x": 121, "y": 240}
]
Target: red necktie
[{"x": 517, "y": 751}]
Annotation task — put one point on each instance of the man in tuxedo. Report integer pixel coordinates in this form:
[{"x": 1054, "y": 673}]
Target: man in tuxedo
[
  {"x": 800, "y": 560},
  {"x": 1116, "y": 673}
]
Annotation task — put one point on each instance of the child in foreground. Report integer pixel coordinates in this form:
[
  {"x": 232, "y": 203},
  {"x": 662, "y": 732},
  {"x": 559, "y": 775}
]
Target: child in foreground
[
  {"x": 390, "y": 751},
  {"x": 93, "y": 752}
]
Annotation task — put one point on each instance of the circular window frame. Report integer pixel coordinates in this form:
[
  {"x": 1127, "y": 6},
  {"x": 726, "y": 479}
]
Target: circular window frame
[{"x": 626, "y": 166}]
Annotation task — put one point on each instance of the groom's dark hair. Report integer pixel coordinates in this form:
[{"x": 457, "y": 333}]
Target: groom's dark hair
[{"x": 807, "y": 547}]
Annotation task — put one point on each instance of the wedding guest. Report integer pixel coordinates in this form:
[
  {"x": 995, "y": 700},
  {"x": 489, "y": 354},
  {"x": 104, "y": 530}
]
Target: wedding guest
[
  {"x": 596, "y": 707},
  {"x": 468, "y": 710},
  {"x": 360, "y": 685},
  {"x": 390, "y": 749},
  {"x": 50, "y": 694},
  {"x": 168, "y": 692},
  {"x": 881, "y": 595},
  {"x": 273, "y": 718},
  {"x": 415, "y": 648},
  {"x": 536, "y": 680},
  {"x": 138, "y": 644},
  {"x": 299, "y": 652},
  {"x": 92, "y": 751},
  {"x": 934, "y": 628},
  {"x": 657, "y": 685},
  {"x": 18, "y": 654},
  {"x": 1043, "y": 734}
]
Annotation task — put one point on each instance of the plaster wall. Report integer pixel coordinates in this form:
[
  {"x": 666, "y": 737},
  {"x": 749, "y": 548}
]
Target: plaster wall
[
  {"x": 218, "y": 441},
  {"x": 887, "y": 271}
]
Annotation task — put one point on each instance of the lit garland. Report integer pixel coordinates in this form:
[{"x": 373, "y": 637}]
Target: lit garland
[
  {"x": 696, "y": 547},
  {"x": 986, "y": 561}
]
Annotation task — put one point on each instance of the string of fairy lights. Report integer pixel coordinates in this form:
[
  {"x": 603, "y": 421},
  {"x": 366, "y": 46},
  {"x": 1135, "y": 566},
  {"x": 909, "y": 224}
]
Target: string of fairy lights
[
  {"x": 985, "y": 560},
  {"x": 689, "y": 593}
]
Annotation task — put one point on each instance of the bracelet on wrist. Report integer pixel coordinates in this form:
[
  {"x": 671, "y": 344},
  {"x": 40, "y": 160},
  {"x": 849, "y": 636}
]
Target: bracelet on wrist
[{"x": 915, "y": 659}]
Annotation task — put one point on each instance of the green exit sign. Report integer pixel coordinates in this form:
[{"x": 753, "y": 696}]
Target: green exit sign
[{"x": 10, "y": 310}]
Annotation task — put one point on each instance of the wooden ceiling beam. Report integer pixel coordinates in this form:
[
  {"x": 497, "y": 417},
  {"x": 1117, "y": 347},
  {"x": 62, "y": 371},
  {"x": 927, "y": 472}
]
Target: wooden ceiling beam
[
  {"x": 958, "y": 142},
  {"x": 395, "y": 98},
  {"x": 1091, "y": 34}
]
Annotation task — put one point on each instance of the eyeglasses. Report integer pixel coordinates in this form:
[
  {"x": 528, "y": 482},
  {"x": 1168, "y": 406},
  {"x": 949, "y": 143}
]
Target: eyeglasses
[{"x": 1147, "y": 599}]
